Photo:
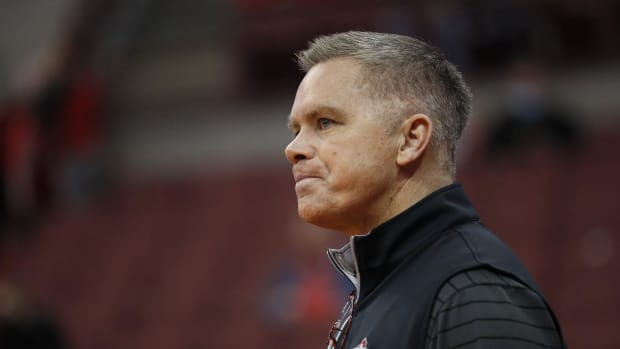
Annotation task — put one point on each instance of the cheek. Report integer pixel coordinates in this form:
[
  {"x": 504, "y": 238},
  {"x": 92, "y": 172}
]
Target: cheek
[
  {"x": 370, "y": 171},
  {"x": 357, "y": 163}
]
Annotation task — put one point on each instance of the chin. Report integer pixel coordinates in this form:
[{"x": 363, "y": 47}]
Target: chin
[
  {"x": 308, "y": 213},
  {"x": 318, "y": 216}
]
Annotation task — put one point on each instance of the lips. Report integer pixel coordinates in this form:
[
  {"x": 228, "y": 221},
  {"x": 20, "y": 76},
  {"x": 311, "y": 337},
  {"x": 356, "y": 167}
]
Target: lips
[
  {"x": 300, "y": 175},
  {"x": 298, "y": 180}
]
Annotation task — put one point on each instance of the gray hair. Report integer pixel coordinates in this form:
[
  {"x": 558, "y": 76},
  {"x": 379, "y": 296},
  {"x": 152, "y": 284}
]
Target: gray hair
[{"x": 407, "y": 73}]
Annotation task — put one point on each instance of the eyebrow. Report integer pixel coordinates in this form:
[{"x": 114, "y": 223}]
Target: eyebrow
[{"x": 316, "y": 111}]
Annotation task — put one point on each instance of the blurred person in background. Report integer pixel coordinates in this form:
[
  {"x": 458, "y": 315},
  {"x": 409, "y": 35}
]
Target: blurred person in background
[
  {"x": 23, "y": 325},
  {"x": 529, "y": 116},
  {"x": 375, "y": 122},
  {"x": 19, "y": 147},
  {"x": 302, "y": 291}
]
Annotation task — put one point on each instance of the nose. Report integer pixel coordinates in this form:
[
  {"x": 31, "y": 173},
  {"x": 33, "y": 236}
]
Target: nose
[{"x": 298, "y": 149}]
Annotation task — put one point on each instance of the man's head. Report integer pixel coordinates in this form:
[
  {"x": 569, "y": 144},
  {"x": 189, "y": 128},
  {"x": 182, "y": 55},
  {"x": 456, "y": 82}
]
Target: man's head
[{"x": 372, "y": 109}]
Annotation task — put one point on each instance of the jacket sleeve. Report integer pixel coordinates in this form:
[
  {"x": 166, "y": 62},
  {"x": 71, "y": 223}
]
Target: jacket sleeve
[{"x": 482, "y": 309}]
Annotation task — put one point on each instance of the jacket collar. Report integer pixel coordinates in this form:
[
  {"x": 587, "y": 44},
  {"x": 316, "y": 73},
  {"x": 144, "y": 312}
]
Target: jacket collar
[{"x": 368, "y": 259}]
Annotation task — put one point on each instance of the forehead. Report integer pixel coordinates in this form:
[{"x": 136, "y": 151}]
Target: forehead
[{"x": 334, "y": 83}]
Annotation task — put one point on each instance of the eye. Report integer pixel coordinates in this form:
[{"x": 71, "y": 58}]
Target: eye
[{"x": 324, "y": 123}]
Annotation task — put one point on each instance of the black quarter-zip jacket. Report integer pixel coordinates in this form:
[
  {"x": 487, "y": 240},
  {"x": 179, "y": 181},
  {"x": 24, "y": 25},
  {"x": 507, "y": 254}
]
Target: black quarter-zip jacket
[{"x": 435, "y": 277}]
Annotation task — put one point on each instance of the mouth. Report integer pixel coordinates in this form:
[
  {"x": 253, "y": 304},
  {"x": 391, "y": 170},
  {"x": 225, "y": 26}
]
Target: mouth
[{"x": 301, "y": 176}]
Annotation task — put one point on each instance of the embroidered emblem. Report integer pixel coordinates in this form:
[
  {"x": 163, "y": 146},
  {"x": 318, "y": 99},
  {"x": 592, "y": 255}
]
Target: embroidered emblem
[{"x": 363, "y": 344}]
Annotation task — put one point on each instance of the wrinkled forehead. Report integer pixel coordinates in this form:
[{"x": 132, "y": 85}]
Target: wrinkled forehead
[
  {"x": 335, "y": 82},
  {"x": 336, "y": 71}
]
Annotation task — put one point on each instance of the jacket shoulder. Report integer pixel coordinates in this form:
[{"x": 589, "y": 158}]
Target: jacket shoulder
[{"x": 484, "y": 308}]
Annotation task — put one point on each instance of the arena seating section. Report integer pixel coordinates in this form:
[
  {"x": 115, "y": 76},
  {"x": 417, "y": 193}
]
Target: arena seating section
[{"x": 181, "y": 264}]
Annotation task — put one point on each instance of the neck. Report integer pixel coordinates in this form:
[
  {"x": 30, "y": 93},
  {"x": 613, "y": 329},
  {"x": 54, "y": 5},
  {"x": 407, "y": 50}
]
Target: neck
[
  {"x": 408, "y": 192},
  {"x": 414, "y": 190}
]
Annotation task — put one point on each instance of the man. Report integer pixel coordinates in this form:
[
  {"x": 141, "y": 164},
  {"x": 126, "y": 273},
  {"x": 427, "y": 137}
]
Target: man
[{"x": 375, "y": 121}]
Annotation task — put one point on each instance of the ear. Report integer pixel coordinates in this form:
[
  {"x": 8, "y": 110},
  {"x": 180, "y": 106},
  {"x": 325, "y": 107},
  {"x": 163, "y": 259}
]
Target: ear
[{"x": 415, "y": 136}]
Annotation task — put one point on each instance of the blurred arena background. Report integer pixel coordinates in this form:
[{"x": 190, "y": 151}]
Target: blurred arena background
[{"x": 145, "y": 201}]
